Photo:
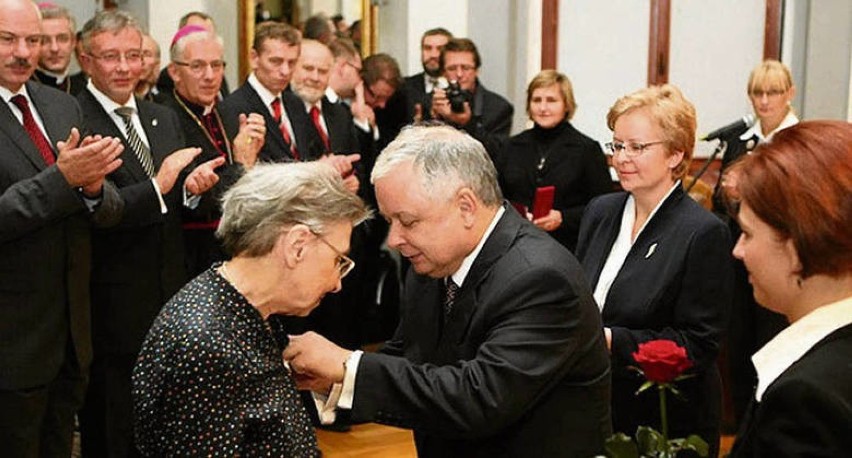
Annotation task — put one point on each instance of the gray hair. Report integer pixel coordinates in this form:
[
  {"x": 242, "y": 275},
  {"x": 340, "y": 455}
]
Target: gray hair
[
  {"x": 446, "y": 159},
  {"x": 176, "y": 51},
  {"x": 53, "y": 11},
  {"x": 273, "y": 197},
  {"x": 111, "y": 21}
]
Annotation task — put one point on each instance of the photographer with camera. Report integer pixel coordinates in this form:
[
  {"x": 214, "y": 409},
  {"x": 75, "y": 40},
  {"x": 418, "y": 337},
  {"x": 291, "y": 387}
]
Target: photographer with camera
[{"x": 465, "y": 103}]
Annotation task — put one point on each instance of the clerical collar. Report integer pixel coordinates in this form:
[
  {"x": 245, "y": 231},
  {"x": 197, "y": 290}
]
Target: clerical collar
[
  {"x": 198, "y": 110},
  {"x": 59, "y": 77}
]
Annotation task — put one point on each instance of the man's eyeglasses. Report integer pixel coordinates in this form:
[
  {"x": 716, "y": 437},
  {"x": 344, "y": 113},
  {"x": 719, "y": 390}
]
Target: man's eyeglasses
[
  {"x": 114, "y": 57},
  {"x": 345, "y": 264},
  {"x": 198, "y": 66},
  {"x": 630, "y": 149}
]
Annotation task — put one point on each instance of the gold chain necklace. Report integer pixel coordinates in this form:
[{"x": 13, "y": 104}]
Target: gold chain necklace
[{"x": 228, "y": 153}]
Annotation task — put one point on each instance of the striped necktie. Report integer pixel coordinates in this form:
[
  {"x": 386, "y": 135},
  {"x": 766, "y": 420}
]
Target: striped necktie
[{"x": 139, "y": 148}]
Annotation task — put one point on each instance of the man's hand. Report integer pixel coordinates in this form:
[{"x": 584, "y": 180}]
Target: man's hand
[
  {"x": 85, "y": 164},
  {"x": 203, "y": 177},
  {"x": 549, "y": 222},
  {"x": 359, "y": 108},
  {"x": 314, "y": 358},
  {"x": 343, "y": 163},
  {"x": 172, "y": 166},
  {"x": 441, "y": 109},
  {"x": 249, "y": 139}
]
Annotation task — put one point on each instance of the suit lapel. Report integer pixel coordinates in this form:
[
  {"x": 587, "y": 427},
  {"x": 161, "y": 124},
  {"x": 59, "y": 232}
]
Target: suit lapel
[
  {"x": 99, "y": 122},
  {"x": 610, "y": 226},
  {"x": 150, "y": 124},
  {"x": 10, "y": 125},
  {"x": 466, "y": 300},
  {"x": 648, "y": 241},
  {"x": 273, "y": 131}
]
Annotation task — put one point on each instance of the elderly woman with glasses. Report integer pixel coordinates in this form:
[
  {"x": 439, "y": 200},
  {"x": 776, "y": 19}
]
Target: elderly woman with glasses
[
  {"x": 659, "y": 264},
  {"x": 795, "y": 210},
  {"x": 210, "y": 379},
  {"x": 553, "y": 153}
]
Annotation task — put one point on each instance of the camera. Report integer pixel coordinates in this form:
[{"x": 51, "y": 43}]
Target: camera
[{"x": 455, "y": 94}]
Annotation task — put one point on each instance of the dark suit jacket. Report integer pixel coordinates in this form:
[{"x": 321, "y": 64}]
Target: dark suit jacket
[
  {"x": 573, "y": 163},
  {"x": 807, "y": 411},
  {"x": 520, "y": 369},
  {"x": 137, "y": 265},
  {"x": 491, "y": 120},
  {"x": 275, "y": 149},
  {"x": 675, "y": 284},
  {"x": 44, "y": 249},
  {"x": 72, "y": 84},
  {"x": 202, "y": 248},
  {"x": 415, "y": 92}
]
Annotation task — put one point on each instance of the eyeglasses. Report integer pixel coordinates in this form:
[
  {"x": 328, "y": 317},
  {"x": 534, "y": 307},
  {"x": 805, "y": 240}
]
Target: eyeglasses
[
  {"x": 345, "y": 264},
  {"x": 464, "y": 68},
  {"x": 758, "y": 94},
  {"x": 356, "y": 67},
  {"x": 630, "y": 149},
  {"x": 114, "y": 57},
  {"x": 7, "y": 40},
  {"x": 198, "y": 66}
]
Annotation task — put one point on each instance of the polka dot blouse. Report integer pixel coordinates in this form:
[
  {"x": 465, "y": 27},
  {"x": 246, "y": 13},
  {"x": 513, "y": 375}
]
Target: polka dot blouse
[{"x": 210, "y": 381}]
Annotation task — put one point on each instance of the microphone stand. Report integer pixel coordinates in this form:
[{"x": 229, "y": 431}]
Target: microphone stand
[{"x": 723, "y": 145}]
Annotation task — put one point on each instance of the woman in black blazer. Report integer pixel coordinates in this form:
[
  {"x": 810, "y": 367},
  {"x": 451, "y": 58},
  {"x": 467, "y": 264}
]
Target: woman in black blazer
[
  {"x": 659, "y": 264},
  {"x": 794, "y": 210},
  {"x": 554, "y": 153}
]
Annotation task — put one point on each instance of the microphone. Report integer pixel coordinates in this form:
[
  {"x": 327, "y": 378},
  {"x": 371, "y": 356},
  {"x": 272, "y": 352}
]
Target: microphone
[{"x": 734, "y": 127}]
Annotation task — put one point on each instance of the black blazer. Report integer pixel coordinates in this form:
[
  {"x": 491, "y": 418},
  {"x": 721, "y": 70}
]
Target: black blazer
[
  {"x": 572, "y": 162},
  {"x": 807, "y": 411},
  {"x": 415, "y": 91},
  {"x": 139, "y": 264},
  {"x": 275, "y": 148},
  {"x": 72, "y": 84},
  {"x": 520, "y": 369},
  {"x": 675, "y": 284},
  {"x": 491, "y": 121},
  {"x": 45, "y": 250}
]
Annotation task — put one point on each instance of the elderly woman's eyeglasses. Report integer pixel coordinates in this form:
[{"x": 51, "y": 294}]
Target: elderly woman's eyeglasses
[
  {"x": 345, "y": 264},
  {"x": 630, "y": 149}
]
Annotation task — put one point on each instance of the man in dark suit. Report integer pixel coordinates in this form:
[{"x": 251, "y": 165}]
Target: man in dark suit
[
  {"x": 138, "y": 265},
  {"x": 59, "y": 39},
  {"x": 419, "y": 87},
  {"x": 46, "y": 206},
  {"x": 485, "y": 115},
  {"x": 289, "y": 132},
  {"x": 197, "y": 68},
  {"x": 500, "y": 350}
]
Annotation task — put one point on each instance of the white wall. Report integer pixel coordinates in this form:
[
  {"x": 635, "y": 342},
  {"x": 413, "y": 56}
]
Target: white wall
[
  {"x": 603, "y": 48},
  {"x": 703, "y": 63},
  {"x": 827, "y": 72}
]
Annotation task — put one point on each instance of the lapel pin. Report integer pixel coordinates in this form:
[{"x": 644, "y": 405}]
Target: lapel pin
[
  {"x": 154, "y": 122},
  {"x": 651, "y": 250}
]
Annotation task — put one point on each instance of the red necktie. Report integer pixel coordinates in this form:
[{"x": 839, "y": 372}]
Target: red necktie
[
  {"x": 32, "y": 129},
  {"x": 276, "y": 110},
  {"x": 315, "y": 117}
]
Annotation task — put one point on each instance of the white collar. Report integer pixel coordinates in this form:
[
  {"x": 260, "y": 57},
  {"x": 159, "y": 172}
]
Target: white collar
[
  {"x": 797, "y": 339},
  {"x": 757, "y": 131},
  {"x": 459, "y": 276},
  {"x": 7, "y": 95},
  {"x": 266, "y": 96},
  {"x": 60, "y": 77},
  {"x": 107, "y": 103},
  {"x": 331, "y": 95}
]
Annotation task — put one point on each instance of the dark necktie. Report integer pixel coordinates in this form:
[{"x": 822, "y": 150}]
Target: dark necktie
[
  {"x": 315, "y": 117},
  {"x": 32, "y": 129},
  {"x": 451, "y": 288},
  {"x": 139, "y": 148},
  {"x": 278, "y": 114}
]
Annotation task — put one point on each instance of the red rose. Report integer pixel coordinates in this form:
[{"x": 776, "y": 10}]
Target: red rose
[{"x": 662, "y": 361}]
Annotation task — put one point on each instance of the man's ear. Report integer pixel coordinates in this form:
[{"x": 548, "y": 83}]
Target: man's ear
[
  {"x": 291, "y": 244},
  {"x": 172, "y": 69},
  {"x": 468, "y": 205}
]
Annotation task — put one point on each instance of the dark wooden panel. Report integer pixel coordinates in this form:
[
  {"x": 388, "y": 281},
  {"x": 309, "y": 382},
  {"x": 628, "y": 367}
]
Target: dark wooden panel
[
  {"x": 549, "y": 33},
  {"x": 772, "y": 30},
  {"x": 658, "y": 42}
]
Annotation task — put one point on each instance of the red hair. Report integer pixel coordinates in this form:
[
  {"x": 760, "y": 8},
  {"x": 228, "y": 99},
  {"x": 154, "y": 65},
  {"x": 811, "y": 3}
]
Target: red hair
[{"x": 800, "y": 184}]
